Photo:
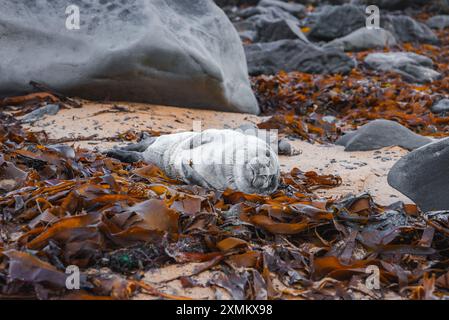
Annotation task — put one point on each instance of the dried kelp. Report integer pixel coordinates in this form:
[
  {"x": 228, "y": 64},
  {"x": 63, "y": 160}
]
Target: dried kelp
[{"x": 73, "y": 207}]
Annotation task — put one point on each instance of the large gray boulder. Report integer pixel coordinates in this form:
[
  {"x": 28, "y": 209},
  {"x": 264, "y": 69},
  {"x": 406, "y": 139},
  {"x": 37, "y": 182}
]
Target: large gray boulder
[
  {"x": 171, "y": 52},
  {"x": 380, "y": 134},
  {"x": 296, "y": 55},
  {"x": 411, "y": 66},
  {"x": 271, "y": 20},
  {"x": 272, "y": 12},
  {"x": 279, "y": 29},
  {"x": 423, "y": 176},
  {"x": 364, "y": 39}
]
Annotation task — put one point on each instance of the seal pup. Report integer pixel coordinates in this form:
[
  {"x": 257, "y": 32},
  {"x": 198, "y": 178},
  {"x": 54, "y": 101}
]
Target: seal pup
[{"x": 217, "y": 159}]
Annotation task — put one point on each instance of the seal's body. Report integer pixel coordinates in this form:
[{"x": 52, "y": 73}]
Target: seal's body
[{"x": 218, "y": 159}]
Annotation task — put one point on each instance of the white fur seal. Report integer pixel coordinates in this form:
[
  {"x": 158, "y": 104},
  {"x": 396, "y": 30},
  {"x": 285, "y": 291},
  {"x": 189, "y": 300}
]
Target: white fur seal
[{"x": 218, "y": 159}]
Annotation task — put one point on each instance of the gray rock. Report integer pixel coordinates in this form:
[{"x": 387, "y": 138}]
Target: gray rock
[
  {"x": 293, "y": 8},
  {"x": 172, "y": 52},
  {"x": 423, "y": 176},
  {"x": 269, "y": 24},
  {"x": 49, "y": 109},
  {"x": 330, "y": 119},
  {"x": 413, "y": 67},
  {"x": 284, "y": 147},
  {"x": 379, "y": 134},
  {"x": 280, "y": 29},
  {"x": 337, "y": 21},
  {"x": 247, "y": 30},
  {"x": 271, "y": 12},
  {"x": 407, "y": 29},
  {"x": 296, "y": 55},
  {"x": 441, "y": 106},
  {"x": 364, "y": 39},
  {"x": 393, "y": 4},
  {"x": 438, "y": 22}
]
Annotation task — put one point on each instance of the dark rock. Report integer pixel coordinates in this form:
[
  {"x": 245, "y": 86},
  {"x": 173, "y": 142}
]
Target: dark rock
[
  {"x": 224, "y": 3},
  {"x": 438, "y": 22},
  {"x": 407, "y": 29},
  {"x": 441, "y": 106},
  {"x": 334, "y": 22},
  {"x": 296, "y": 55},
  {"x": 293, "y": 8},
  {"x": 169, "y": 52},
  {"x": 337, "y": 21},
  {"x": 364, "y": 39},
  {"x": 251, "y": 13},
  {"x": 49, "y": 109},
  {"x": 423, "y": 176},
  {"x": 274, "y": 30},
  {"x": 413, "y": 67},
  {"x": 284, "y": 147},
  {"x": 268, "y": 23},
  {"x": 393, "y": 4},
  {"x": 380, "y": 134},
  {"x": 247, "y": 30}
]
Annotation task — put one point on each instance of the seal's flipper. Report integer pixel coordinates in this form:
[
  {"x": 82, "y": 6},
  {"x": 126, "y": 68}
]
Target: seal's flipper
[
  {"x": 141, "y": 146},
  {"x": 124, "y": 155}
]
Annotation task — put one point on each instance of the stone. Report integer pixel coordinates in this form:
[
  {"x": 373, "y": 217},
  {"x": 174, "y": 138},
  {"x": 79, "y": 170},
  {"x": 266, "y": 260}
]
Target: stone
[
  {"x": 266, "y": 24},
  {"x": 364, "y": 39},
  {"x": 334, "y": 22},
  {"x": 270, "y": 12},
  {"x": 169, "y": 52},
  {"x": 423, "y": 176},
  {"x": 407, "y": 29},
  {"x": 379, "y": 134},
  {"x": 49, "y": 109},
  {"x": 223, "y": 3},
  {"x": 247, "y": 30},
  {"x": 296, "y": 55},
  {"x": 293, "y": 8},
  {"x": 393, "y": 4},
  {"x": 337, "y": 21},
  {"x": 438, "y": 22},
  {"x": 280, "y": 29},
  {"x": 217, "y": 159},
  {"x": 441, "y": 106},
  {"x": 411, "y": 66},
  {"x": 285, "y": 147}
]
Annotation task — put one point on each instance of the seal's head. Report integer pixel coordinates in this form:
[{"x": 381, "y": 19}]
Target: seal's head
[{"x": 260, "y": 174}]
